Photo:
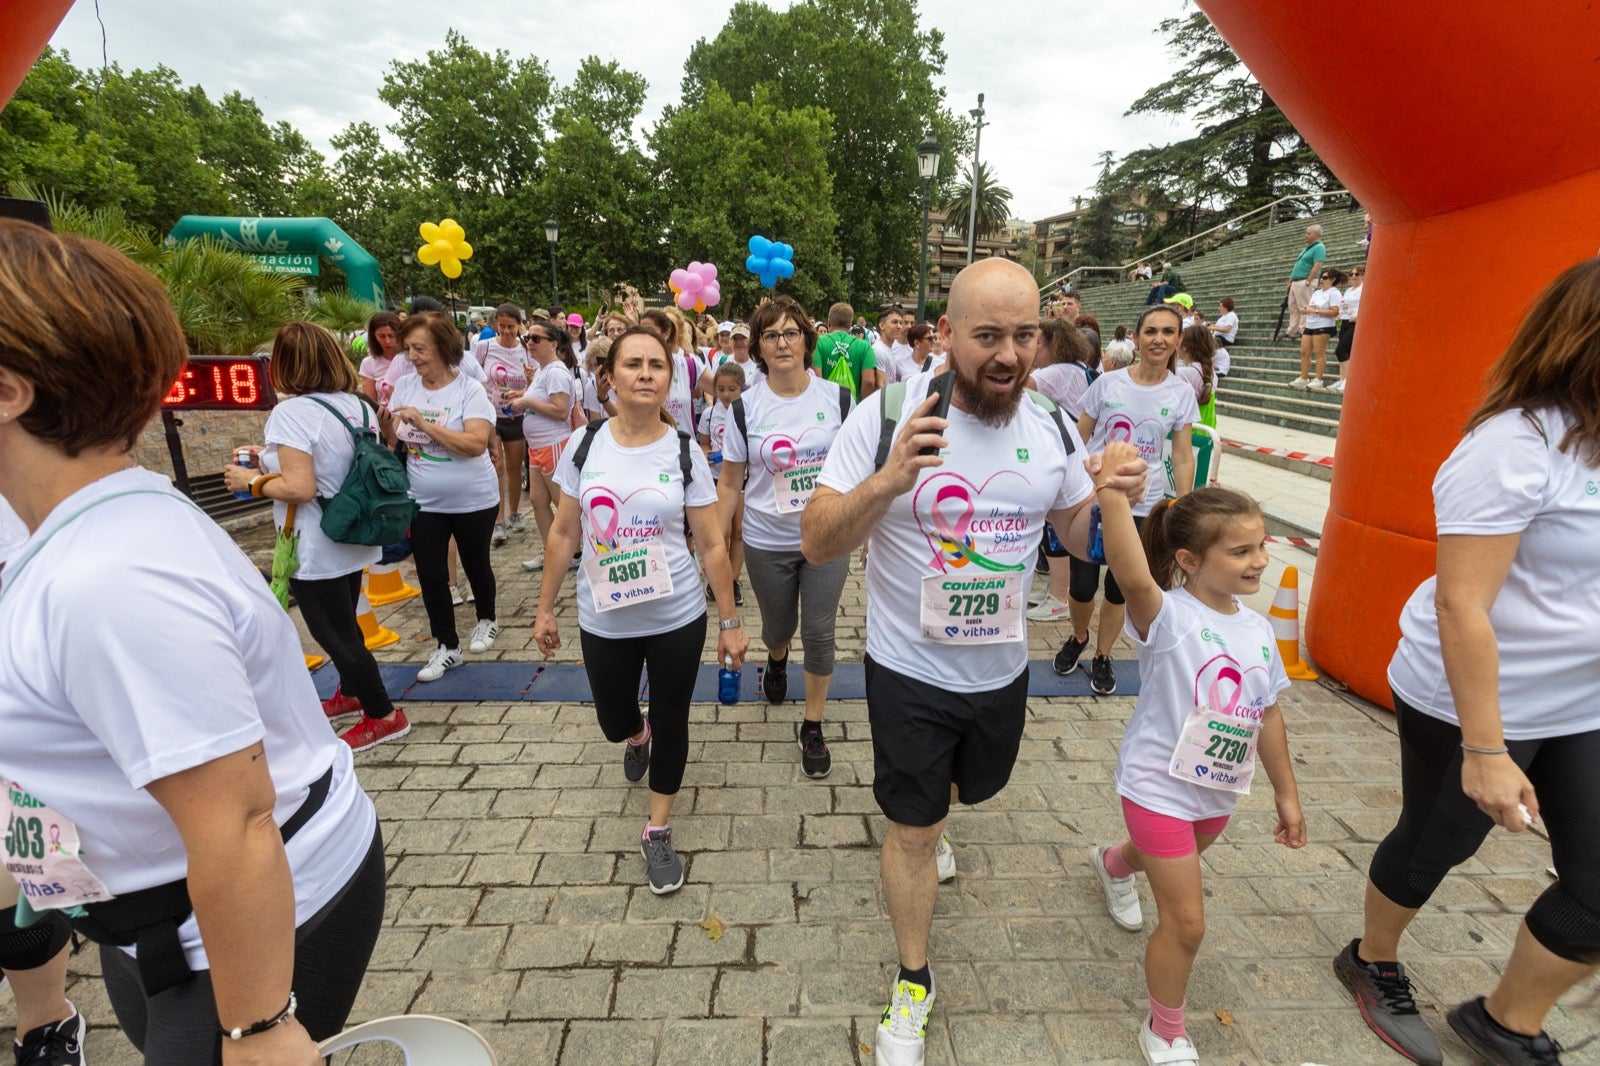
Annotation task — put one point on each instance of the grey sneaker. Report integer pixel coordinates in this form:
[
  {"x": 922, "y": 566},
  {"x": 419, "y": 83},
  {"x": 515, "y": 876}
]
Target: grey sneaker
[
  {"x": 498, "y": 537},
  {"x": 636, "y": 759},
  {"x": 1383, "y": 995},
  {"x": 661, "y": 861},
  {"x": 1473, "y": 1025},
  {"x": 514, "y": 523}
]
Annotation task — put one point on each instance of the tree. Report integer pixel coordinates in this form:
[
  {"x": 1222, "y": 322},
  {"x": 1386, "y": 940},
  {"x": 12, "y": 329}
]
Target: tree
[
  {"x": 1100, "y": 238},
  {"x": 994, "y": 204}
]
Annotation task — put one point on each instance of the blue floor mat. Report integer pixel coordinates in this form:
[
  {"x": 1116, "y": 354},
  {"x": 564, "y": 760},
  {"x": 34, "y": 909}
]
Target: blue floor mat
[{"x": 567, "y": 682}]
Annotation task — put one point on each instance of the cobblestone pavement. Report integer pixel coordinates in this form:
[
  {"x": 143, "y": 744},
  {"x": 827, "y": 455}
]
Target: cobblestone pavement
[{"x": 517, "y": 900}]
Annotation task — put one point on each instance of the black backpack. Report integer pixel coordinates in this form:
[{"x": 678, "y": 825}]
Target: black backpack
[
  {"x": 373, "y": 506},
  {"x": 581, "y": 456},
  {"x": 845, "y": 397}
]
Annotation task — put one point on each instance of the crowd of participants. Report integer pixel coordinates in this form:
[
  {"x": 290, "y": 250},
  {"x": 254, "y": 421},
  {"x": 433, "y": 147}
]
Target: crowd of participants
[{"x": 207, "y": 827}]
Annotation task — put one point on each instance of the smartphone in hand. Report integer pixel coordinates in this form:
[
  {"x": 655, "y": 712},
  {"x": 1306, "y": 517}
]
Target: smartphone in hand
[{"x": 941, "y": 386}]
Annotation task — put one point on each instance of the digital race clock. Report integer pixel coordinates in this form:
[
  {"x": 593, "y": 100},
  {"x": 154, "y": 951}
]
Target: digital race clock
[{"x": 221, "y": 383}]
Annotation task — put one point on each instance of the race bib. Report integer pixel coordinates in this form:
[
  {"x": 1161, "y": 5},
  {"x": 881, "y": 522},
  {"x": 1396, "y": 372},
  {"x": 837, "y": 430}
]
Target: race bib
[
  {"x": 979, "y": 608},
  {"x": 1216, "y": 750},
  {"x": 793, "y": 487},
  {"x": 43, "y": 855},
  {"x": 637, "y": 574},
  {"x": 411, "y": 434}
]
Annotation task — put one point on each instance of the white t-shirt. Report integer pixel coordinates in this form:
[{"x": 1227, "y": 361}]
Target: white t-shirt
[
  {"x": 12, "y": 532},
  {"x": 1321, "y": 308},
  {"x": 785, "y": 432},
  {"x": 1143, "y": 414},
  {"x": 400, "y": 367},
  {"x": 1192, "y": 654},
  {"x": 752, "y": 373},
  {"x": 1010, "y": 476},
  {"x": 1221, "y": 363},
  {"x": 1064, "y": 384},
  {"x": 300, "y": 422},
  {"x": 1226, "y": 327},
  {"x": 191, "y": 659},
  {"x": 714, "y": 423},
  {"x": 1194, "y": 377},
  {"x": 629, "y": 496},
  {"x": 1505, "y": 478},
  {"x": 505, "y": 370},
  {"x": 374, "y": 367},
  {"x": 552, "y": 379},
  {"x": 686, "y": 371},
  {"x": 442, "y": 481},
  {"x": 1351, "y": 304}
]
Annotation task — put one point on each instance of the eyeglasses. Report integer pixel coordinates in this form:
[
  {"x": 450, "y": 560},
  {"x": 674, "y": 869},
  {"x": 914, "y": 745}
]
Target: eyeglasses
[{"x": 772, "y": 336}]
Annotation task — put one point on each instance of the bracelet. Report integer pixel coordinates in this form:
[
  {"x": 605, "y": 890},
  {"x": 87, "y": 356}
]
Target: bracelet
[
  {"x": 262, "y": 1026},
  {"x": 729, "y": 623},
  {"x": 1485, "y": 751},
  {"x": 259, "y": 482}
]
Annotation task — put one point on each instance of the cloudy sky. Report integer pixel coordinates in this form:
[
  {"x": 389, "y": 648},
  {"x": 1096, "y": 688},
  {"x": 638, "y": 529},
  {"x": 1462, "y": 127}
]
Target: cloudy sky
[{"x": 1056, "y": 76}]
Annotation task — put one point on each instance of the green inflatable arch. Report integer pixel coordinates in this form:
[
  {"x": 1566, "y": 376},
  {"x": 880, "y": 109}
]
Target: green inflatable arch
[{"x": 267, "y": 236}]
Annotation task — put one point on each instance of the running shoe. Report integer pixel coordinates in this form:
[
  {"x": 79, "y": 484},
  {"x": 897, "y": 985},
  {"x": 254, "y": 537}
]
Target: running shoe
[
  {"x": 514, "y": 523},
  {"x": 814, "y": 757},
  {"x": 442, "y": 659},
  {"x": 1383, "y": 995},
  {"x": 455, "y": 597},
  {"x": 1316, "y": 383},
  {"x": 903, "y": 1032},
  {"x": 1072, "y": 650},
  {"x": 1337, "y": 386},
  {"x": 57, "y": 1044},
  {"x": 370, "y": 732},
  {"x": 944, "y": 859},
  {"x": 483, "y": 634},
  {"x": 1102, "y": 676},
  {"x": 775, "y": 681},
  {"x": 1299, "y": 383},
  {"x": 498, "y": 537},
  {"x": 340, "y": 706},
  {"x": 1122, "y": 894},
  {"x": 661, "y": 861},
  {"x": 1049, "y": 610},
  {"x": 636, "y": 758},
  {"x": 1496, "y": 1044},
  {"x": 535, "y": 564},
  {"x": 1158, "y": 1052},
  {"x": 738, "y": 595}
]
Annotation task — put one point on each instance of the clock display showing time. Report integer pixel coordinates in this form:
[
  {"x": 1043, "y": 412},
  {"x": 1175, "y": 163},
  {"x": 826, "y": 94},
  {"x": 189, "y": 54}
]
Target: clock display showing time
[{"x": 222, "y": 383}]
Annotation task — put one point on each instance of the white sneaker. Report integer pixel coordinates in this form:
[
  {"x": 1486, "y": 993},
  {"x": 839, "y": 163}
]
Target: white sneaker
[
  {"x": 483, "y": 634},
  {"x": 1157, "y": 1052},
  {"x": 498, "y": 537},
  {"x": 514, "y": 523},
  {"x": 1050, "y": 609},
  {"x": 1337, "y": 386},
  {"x": 442, "y": 659},
  {"x": 455, "y": 597},
  {"x": 903, "y": 1032},
  {"x": 1122, "y": 895},
  {"x": 1316, "y": 384},
  {"x": 576, "y": 559},
  {"x": 944, "y": 857},
  {"x": 1298, "y": 383},
  {"x": 534, "y": 565}
]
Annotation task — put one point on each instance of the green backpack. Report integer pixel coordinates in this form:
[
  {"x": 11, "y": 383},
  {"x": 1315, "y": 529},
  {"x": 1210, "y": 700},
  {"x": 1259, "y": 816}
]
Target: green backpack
[
  {"x": 373, "y": 506},
  {"x": 842, "y": 373}
]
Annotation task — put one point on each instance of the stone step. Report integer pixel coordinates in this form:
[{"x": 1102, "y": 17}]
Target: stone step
[{"x": 1255, "y": 411}]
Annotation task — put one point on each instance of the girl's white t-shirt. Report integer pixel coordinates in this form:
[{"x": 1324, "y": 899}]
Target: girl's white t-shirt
[
  {"x": 1321, "y": 308},
  {"x": 552, "y": 379},
  {"x": 301, "y": 423},
  {"x": 1192, "y": 655},
  {"x": 752, "y": 373},
  {"x": 1145, "y": 415},
  {"x": 443, "y": 482},
  {"x": 714, "y": 423},
  {"x": 1506, "y": 477},
  {"x": 686, "y": 371},
  {"x": 1227, "y": 327},
  {"x": 505, "y": 370},
  {"x": 785, "y": 432},
  {"x": 1064, "y": 384},
  {"x": 1350, "y": 306},
  {"x": 629, "y": 496},
  {"x": 192, "y": 659}
]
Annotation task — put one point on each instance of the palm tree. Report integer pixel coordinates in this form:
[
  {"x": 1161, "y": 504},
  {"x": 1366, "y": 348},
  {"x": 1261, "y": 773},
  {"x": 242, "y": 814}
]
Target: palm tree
[{"x": 994, "y": 204}]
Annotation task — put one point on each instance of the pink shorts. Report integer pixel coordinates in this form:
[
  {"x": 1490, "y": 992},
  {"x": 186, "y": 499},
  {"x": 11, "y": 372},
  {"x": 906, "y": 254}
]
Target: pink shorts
[{"x": 1162, "y": 836}]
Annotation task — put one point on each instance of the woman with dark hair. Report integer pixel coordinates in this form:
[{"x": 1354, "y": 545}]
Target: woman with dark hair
[
  {"x": 1196, "y": 355},
  {"x": 1349, "y": 308},
  {"x": 576, "y": 334},
  {"x": 383, "y": 344},
  {"x": 1496, "y": 688},
  {"x": 632, "y": 489},
  {"x": 1321, "y": 319},
  {"x": 504, "y": 367},
  {"x": 1090, "y": 326},
  {"x": 1062, "y": 373},
  {"x": 921, "y": 337},
  {"x": 444, "y": 418},
  {"x": 546, "y": 410},
  {"x": 307, "y": 456},
  {"x": 207, "y": 825}
]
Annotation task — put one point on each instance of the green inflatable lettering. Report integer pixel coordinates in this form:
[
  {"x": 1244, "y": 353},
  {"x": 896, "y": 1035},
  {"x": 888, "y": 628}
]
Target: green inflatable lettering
[{"x": 273, "y": 236}]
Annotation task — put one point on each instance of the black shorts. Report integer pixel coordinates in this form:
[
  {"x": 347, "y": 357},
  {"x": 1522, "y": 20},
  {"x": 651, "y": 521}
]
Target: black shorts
[
  {"x": 1320, "y": 331},
  {"x": 508, "y": 429},
  {"x": 1347, "y": 340},
  {"x": 925, "y": 738}
]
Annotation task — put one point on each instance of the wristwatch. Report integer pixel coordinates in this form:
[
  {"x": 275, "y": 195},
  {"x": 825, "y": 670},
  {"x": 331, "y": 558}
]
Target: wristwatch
[{"x": 728, "y": 623}]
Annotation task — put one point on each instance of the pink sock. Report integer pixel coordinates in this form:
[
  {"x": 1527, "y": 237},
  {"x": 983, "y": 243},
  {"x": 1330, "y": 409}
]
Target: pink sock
[
  {"x": 1115, "y": 864},
  {"x": 1167, "y": 1022},
  {"x": 643, "y": 739}
]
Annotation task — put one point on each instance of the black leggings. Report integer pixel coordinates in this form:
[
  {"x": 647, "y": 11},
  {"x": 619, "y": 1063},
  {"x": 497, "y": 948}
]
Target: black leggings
[
  {"x": 331, "y": 951},
  {"x": 430, "y": 548},
  {"x": 329, "y": 608},
  {"x": 1440, "y": 827},
  {"x": 613, "y": 665},
  {"x": 1086, "y": 578}
]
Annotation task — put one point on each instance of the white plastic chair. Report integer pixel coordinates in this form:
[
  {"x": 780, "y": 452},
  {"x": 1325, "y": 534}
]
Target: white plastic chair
[{"x": 423, "y": 1039}]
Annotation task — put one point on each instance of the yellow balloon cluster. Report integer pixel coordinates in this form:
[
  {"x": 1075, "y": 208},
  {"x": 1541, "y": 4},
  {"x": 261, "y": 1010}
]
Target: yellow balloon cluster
[{"x": 444, "y": 244}]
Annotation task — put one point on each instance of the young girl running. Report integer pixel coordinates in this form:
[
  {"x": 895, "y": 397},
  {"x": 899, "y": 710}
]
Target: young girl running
[{"x": 1209, "y": 677}]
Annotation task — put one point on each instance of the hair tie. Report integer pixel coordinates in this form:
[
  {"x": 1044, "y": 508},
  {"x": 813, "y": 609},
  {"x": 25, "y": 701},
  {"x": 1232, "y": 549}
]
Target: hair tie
[{"x": 1172, "y": 501}]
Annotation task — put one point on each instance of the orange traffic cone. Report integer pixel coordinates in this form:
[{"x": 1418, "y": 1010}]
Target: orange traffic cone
[
  {"x": 373, "y": 634},
  {"x": 1285, "y": 617},
  {"x": 386, "y": 586},
  {"x": 314, "y": 661}
]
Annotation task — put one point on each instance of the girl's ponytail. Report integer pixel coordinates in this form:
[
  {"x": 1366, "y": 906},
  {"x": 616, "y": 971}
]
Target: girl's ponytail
[
  {"x": 1159, "y": 551},
  {"x": 1194, "y": 523}
]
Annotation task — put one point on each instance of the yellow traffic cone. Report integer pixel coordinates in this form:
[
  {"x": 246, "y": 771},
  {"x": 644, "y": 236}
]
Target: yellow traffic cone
[
  {"x": 373, "y": 634},
  {"x": 386, "y": 586},
  {"x": 314, "y": 661},
  {"x": 1285, "y": 617}
]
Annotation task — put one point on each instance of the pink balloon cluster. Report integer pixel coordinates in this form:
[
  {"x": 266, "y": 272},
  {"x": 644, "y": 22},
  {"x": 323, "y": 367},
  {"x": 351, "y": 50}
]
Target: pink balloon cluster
[{"x": 696, "y": 287}]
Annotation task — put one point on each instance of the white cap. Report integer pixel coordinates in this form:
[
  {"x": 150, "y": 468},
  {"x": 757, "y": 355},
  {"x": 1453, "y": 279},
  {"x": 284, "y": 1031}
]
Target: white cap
[{"x": 725, "y": 327}]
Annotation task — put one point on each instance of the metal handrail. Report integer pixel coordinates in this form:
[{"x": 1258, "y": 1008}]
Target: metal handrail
[{"x": 1232, "y": 223}]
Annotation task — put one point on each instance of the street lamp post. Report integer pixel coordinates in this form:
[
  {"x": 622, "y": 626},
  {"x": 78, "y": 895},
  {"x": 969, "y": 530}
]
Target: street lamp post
[
  {"x": 927, "y": 170},
  {"x": 408, "y": 259},
  {"x": 552, "y": 234},
  {"x": 849, "y": 272},
  {"x": 972, "y": 212}
]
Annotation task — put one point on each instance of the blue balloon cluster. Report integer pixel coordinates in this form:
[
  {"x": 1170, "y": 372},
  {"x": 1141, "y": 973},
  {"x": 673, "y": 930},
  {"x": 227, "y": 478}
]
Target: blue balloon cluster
[{"x": 770, "y": 260}]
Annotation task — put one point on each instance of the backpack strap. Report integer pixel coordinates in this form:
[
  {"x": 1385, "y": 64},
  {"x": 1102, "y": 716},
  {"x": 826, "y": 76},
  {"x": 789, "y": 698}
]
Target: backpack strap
[
  {"x": 334, "y": 411},
  {"x": 581, "y": 456},
  {"x": 844, "y": 403},
  {"x": 1044, "y": 402},
  {"x": 739, "y": 423},
  {"x": 683, "y": 459},
  {"x": 894, "y": 398}
]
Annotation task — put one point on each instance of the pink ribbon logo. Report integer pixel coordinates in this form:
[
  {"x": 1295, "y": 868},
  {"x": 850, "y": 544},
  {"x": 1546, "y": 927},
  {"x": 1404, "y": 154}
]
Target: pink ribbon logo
[
  {"x": 55, "y": 837},
  {"x": 953, "y": 539},
  {"x": 605, "y": 536},
  {"x": 1119, "y": 427},
  {"x": 782, "y": 453},
  {"x": 501, "y": 375},
  {"x": 1222, "y": 679}
]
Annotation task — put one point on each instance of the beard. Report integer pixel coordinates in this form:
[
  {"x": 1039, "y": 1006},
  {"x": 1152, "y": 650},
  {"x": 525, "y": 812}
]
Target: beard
[{"x": 992, "y": 408}]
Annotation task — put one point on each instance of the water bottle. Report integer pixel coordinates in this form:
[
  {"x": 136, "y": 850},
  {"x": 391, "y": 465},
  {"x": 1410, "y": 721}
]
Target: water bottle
[
  {"x": 715, "y": 457},
  {"x": 246, "y": 458},
  {"x": 1097, "y": 540},
  {"x": 728, "y": 682}
]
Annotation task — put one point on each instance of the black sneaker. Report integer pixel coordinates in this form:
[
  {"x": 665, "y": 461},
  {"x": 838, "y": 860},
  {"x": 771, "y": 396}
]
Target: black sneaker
[
  {"x": 1473, "y": 1025},
  {"x": 1102, "y": 678},
  {"x": 738, "y": 595},
  {"x": 1071, "y": 651},
  {"x": 661, "y": 861},
  {"x": 711, "y": 597},
  {"x": 814, "y": 757},
  {"x": 1383, "y": 995},
  {"x": 57, "y": 1044},
  {"x": 635, "y": 759},
  {"x": 775, "y": 682}
]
